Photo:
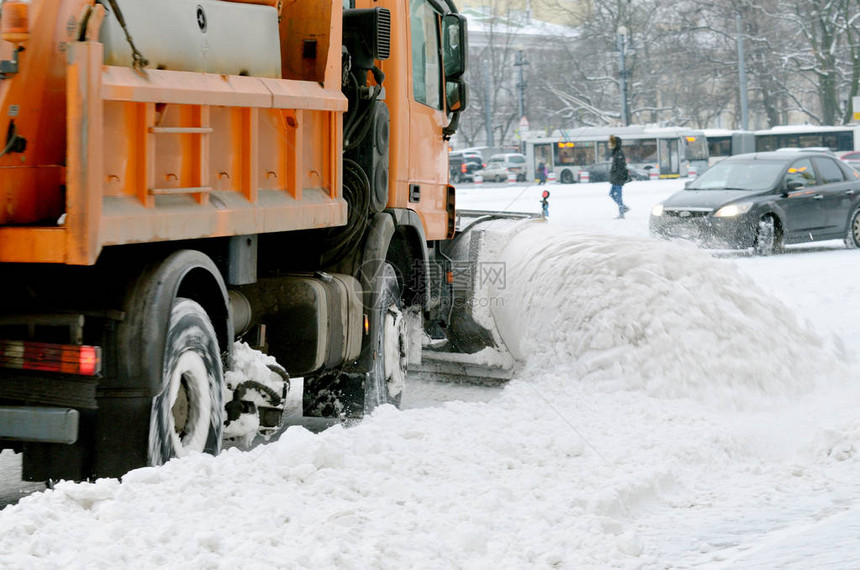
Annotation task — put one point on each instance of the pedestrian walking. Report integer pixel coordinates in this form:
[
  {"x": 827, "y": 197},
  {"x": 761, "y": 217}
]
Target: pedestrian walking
[
  {"x": 618, "y": 175},
  {"x": 541, "y": 172}
]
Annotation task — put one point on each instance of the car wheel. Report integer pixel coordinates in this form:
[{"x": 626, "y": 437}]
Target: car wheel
[
  {"x": 566, "y": 177},
  {"x": 766, "y": 240},
  {"x": 852, "y": 236}
]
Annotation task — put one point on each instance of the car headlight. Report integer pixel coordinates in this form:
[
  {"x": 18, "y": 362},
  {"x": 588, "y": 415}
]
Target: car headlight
[
  {"x": 733, "y": 210},
  {"x": 657, "y": 210}
]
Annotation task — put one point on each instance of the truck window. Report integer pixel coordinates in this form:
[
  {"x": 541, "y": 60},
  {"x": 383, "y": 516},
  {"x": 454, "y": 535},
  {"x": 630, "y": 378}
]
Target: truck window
[{"x": 426, "y": 64}]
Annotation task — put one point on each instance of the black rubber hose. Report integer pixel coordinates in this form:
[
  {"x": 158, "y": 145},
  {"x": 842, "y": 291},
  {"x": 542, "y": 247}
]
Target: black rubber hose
[{"x": 341, "y": 242}]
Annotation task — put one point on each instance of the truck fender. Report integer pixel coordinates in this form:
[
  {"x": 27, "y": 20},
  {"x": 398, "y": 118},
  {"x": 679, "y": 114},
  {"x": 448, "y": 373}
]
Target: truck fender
[
  {"x": 186, "y": 273},
  {"x": 407, "y": 251}
]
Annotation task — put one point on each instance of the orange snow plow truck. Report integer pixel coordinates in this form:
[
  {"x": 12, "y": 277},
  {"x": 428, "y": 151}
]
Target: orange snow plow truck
[{"x": 179, "y": 175}]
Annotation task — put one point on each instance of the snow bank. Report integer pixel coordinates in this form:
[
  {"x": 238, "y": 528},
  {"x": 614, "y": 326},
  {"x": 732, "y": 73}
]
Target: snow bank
[
  {"x": 427, "y": 489},
  {"x": 638, "y": 314}
]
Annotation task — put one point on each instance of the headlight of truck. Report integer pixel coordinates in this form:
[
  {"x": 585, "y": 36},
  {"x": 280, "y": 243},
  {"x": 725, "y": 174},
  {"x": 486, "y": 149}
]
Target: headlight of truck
[
  {"x": 733, "y": 210},
  {"x": 657, "y": 210}
]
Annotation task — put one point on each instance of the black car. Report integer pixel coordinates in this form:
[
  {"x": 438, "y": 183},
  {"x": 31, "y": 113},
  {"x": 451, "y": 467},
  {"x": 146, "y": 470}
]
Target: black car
[
  {"x": 599, "y": 172},
  {"x": 462, "y": 165},
  {"x": 764, "y": 201}
]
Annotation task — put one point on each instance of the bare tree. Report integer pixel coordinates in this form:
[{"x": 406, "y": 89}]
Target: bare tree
[
  {"x": 492, "y": 76},
  {"x": 802, "y": 60}
]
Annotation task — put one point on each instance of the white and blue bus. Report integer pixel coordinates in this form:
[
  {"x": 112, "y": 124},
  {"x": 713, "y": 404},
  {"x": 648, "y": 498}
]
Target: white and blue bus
[
  {"x": 670, "y": 152},
  {"x": 723, "y": 143}
]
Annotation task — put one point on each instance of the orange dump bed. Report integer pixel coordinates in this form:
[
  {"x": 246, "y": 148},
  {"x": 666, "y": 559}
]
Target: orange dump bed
[{"x": 116, "y": 155}]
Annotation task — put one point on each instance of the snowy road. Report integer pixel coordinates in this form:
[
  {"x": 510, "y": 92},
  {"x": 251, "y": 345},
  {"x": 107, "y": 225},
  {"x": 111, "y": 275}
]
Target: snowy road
[{"x": 683, "y": 410}]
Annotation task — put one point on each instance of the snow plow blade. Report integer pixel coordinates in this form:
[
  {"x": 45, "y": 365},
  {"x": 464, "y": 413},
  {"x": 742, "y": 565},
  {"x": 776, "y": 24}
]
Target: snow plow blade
[{"x": 471, "y": 348}]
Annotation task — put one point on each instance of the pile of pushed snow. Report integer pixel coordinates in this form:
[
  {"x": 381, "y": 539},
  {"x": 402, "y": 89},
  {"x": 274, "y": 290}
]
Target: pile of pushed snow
[
  {"x": 637, "y": 314},
  {"x": 502, "y": 485}
]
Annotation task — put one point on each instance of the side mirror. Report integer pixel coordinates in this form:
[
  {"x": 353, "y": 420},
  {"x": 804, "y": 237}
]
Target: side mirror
[
  {"x": 793, "y": 185},
  {"x": 454, "y": 45},
  {"x": 455, "y": 95},
  {"x": 455, "y": 100}
]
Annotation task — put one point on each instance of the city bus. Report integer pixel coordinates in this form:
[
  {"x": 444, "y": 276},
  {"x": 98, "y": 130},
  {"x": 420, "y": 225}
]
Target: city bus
[
  {"x": 669, "y": 152},
  {"x": 724, "y": 142}
]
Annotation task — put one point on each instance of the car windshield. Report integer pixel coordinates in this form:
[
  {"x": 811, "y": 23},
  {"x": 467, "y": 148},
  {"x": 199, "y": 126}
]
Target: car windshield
[{"x": 739, "y": 175}]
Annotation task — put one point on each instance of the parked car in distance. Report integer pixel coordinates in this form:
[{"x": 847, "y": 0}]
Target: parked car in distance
[
  {"x": 494, "y": 171},
  {"x": 514, "y": 162},
  {"x": 764, "y": 201},
  {"x": 851, "y": 157},
  {"x": 462, "y": 165},
  {"x": 599, "y": 172}
]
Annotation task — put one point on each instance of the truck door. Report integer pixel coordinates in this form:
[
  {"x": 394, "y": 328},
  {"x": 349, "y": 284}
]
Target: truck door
[{"x": 427, "y": 151}]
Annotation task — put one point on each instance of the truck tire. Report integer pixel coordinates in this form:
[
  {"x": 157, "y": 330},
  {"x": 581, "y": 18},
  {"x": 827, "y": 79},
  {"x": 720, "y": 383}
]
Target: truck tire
[
  {"x": 187, "y": 415},
  {"x": 387, "y": 377}
]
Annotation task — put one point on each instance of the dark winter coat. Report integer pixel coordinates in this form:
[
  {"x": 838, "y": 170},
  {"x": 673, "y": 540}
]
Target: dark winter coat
[{"x": 618, "y": 174}]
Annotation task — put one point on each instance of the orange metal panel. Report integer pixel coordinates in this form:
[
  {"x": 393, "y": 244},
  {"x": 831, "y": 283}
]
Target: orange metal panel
[
  {"x": 167, "y": 155},
  {"x": 310, "y": 39},
  {"x": 304, "y": 95},
  {"x": 84, "y": 151},
  {"x": 32, "y": 245},
  {"x": 293, "y": 150},
  {"x": 126, "y": 221},
  {"x": 201, "y": 142},
  {"x": 40, "y": 203},
  {"x": 142, "y": 151},
  {"x": 250, "y": 162},
  {"x": 183, "y": 87},
  {"x": 34, "y": 100},
  {"x": 335, "y": 164}
]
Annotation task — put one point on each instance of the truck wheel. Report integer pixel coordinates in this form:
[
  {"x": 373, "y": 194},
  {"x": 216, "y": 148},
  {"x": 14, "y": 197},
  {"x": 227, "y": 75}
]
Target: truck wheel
[
  {"x": 387, "y": 377},
  {"x": 187, "y": 414}
]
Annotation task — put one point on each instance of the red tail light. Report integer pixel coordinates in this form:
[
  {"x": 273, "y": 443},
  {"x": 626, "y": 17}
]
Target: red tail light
[
  {"x": 46, "y": 357},
  {"x": 463, "y": 167}
]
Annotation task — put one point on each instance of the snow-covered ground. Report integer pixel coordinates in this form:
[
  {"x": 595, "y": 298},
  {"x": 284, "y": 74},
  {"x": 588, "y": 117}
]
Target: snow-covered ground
[{"x": 679, "y": 409}]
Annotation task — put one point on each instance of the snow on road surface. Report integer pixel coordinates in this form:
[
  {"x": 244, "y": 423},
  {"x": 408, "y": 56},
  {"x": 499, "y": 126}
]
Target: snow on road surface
[{"x": 676, "y": 411}]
